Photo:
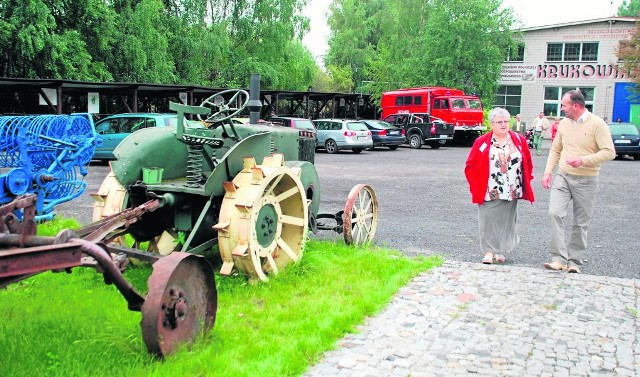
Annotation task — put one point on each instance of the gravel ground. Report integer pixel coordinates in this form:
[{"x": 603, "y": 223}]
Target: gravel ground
[{"x": 425, "y": 207}]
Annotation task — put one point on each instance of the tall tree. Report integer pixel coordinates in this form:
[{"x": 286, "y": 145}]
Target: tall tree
[
  {"x": 36, "y": 44},
  {"x": 216, "y": 43},
  {"x": 456, "y": 43},
  {"x": 629, "y": 54},
  {"x": 629, "y": 8},
  {"x": 354, "y": 36}
]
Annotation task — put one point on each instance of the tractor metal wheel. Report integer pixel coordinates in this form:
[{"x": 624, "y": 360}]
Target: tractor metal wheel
[
  {"x": 112, "y": 198},
  {"x": 181, "y": 303},
  {"x": 263, "y": 219},
  {"x": 360, "y": 216}
]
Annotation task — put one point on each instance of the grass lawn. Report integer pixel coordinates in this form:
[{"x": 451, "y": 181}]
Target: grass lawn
[{"x": 57, "y": 324}]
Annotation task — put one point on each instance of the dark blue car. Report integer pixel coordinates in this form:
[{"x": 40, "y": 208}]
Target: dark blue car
[
  {"x": 626, "y": 139},
  {"x": 385, "y": 134}
]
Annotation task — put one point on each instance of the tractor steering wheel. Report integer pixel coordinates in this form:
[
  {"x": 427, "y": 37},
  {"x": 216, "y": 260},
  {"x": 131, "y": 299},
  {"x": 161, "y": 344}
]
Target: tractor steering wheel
[{"x": 224, "y": 109}]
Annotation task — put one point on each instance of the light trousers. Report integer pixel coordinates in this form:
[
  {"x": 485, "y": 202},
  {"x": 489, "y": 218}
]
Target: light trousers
[
  {"x": 581, "y": 192},
  {"x": 537, "y": 140}
]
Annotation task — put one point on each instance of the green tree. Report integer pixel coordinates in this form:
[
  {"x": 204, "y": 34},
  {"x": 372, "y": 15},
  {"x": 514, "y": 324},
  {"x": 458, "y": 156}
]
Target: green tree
[
  {"x": 36, "y": 45},
  {"x": 354, "y": 36},
  {"x": 456, "y": 43},
  {"x": 629, "y": 54},
  {"x": 217, "y": 43},
  {"x": 144, "y": 45},
  {"x": 629, "y": 8}
]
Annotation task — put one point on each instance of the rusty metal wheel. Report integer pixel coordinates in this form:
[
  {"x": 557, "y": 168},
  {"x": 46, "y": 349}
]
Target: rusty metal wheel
[
  {"x": 263, "y": 218},
  {"x": 181, "y": 303},
  {"x": 360, "y": 216}
]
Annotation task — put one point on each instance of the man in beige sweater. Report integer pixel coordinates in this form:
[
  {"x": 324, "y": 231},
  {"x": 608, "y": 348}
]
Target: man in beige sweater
[{"x": 583, "y": 142}]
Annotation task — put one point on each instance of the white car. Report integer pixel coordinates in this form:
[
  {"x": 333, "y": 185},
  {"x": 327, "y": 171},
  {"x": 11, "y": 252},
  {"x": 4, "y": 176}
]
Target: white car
[{"x": 338, "y": 134}]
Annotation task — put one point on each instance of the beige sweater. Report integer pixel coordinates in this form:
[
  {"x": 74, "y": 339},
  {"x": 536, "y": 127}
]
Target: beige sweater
[{"x": 589, "y": 138}]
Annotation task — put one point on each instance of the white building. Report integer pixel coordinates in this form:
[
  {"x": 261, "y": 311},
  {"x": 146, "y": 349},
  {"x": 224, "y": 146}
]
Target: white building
[{"x": 554, "y": 59}]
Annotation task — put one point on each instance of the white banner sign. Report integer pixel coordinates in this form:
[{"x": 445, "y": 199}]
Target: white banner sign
[
  {"x": 51, "y": 95},
  {"x": 93, "y": 102},
  {"x": 518, "y": 73}
]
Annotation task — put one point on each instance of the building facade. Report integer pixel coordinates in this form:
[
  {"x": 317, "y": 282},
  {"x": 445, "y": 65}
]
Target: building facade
[{"x": 557, "y": 58}]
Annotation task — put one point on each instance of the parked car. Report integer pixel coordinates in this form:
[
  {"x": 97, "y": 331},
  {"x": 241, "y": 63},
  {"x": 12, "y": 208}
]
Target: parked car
[
  {"x": 626, "y": 139},
  {"x": 293, "y": 122},
  {"x": 385, "y": 134},
  {"x": 115, "y": 128},
  {"x": 338, "y": 134},
  {"x": 422, "y": 128},
  {"x": 306, "y": 130}
]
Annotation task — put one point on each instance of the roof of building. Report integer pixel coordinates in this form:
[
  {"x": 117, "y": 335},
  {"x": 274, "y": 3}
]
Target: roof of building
[{"x": 583, "y": 22}]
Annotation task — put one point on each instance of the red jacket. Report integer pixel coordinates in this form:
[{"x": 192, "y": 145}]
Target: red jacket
[{"x": 477, "y": 167}]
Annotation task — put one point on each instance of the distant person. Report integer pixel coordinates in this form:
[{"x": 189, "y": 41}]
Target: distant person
[
  {"x": 499, "y": 172},
  {"x": 554, "y": 128},
  {"x": 618, "y": 120},
  {"x": 582, "y": 144},
  {"x": 539, "y": 125},
  {"x": 518, "y": 125}
]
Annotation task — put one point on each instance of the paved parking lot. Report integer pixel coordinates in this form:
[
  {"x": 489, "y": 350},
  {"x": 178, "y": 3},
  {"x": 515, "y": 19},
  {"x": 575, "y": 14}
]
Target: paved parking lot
[{"x": 425, "y": 207}]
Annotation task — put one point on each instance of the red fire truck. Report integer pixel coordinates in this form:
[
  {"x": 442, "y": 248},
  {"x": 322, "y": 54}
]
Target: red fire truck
[{"x": 452, "y": 106}]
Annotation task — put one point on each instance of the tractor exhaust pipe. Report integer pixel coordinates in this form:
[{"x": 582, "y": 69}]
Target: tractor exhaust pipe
[{"x": 254, "y": 104}]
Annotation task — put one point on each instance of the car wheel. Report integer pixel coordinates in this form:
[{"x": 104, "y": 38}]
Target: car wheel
[
  {"x": 331, "y": 146},
  {"x": 393, "y": 147},
  {"x": 356, "y": 150},
  {"x": 636, "y": 157},
  {"x": 415, "y": 141}
]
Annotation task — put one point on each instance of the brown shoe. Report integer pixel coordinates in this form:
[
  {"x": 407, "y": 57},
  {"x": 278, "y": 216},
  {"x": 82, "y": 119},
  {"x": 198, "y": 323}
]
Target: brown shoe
[
  {"x": 555, "y": 266},
  {"x": 573, "y": 270}
]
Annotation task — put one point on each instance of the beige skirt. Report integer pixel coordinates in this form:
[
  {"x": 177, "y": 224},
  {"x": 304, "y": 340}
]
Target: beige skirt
[{"x": 497, "y": 221}]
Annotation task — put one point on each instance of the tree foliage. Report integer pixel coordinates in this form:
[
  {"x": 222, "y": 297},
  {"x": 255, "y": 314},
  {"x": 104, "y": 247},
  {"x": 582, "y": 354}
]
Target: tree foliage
[
  {"x": 629, "y": 50},
  {"x": 374, "y": 45},
  {"x": 214, "y": 42},
  {"x": 629, "y": 54},
  {"x": 629, "y": 8},
  {"x": 391, "y": 44}
]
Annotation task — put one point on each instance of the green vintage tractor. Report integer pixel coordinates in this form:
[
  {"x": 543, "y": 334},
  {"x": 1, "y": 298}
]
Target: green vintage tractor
[{"x": 239, "y": 196}]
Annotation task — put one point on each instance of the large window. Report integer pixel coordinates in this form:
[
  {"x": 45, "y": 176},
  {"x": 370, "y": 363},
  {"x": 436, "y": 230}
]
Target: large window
[
  {"x": 509, "y": 97},
  {"x": 553, "y": 97},
  {"x": 572, "y": 52}
]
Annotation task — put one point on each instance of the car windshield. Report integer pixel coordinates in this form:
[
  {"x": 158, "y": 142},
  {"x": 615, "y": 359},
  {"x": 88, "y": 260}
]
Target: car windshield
[
  {"x": 475, "y": 104},
  {"x": 458, "y": 103},
  {"x": 626, "y": 129},
  {"x": 356, "y": 126},
  {"x": 304, "y": 124}
]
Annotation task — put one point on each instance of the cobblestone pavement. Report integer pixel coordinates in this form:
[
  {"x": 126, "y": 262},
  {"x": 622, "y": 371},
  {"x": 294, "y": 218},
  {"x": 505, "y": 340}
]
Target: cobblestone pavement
[{"x": 470, "y": 319}]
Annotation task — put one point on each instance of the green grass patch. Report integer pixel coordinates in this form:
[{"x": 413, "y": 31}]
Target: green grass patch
[{"x": 58, "y": 324}]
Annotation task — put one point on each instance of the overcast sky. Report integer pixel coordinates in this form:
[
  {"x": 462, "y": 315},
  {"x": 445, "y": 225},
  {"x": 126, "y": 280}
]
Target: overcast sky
[{"x": 530, "y": 12}]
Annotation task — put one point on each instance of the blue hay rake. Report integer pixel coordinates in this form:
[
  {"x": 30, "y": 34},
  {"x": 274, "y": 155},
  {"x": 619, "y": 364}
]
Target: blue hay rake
[{"x": 45, "y": 155}]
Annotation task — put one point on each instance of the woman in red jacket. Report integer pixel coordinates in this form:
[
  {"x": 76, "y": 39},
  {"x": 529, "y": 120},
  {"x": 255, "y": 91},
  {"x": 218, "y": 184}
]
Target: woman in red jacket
[{"x": 499, "y": 172}]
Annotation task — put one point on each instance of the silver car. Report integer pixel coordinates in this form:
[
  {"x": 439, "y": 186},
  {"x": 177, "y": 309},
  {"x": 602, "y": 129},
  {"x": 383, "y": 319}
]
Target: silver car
[{"x": 337, "y": 134}]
